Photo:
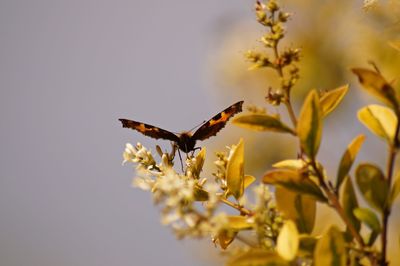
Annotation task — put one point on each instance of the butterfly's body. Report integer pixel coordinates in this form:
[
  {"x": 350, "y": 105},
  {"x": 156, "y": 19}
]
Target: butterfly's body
[{"x": 186, "y": 141}]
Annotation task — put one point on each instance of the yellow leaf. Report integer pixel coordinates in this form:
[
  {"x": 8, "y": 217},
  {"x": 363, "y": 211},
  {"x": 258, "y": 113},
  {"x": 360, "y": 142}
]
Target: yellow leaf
[
  {"x": 200, "y": 158},
  {"x": 288, "y": 241},
  {"x": 307, "y": 245},
  {"x": 262, "y": 122},
  {"x": 299, "y": 208},
  {"x": 330, "y": 100},
  {"x": 237, "y": 222},
  {"x": 290, "y": 164},
  {"x": 200, "y": 194},
  {"x": 380, "y": 120},
  {"x": 373, "y": 186},
  {"x": 331, "y": 249},
  {"x": 309, "y": 127},
  {"x": 348, "y": 158},
  {"x": 349, "y": 203},
  {"x": 374, "y": 83},
  {"x": 395, "y": 44},
  {"x": 235, "y": 170},
  {"x": 293, "y": 181},
  {"x": 369, "y": 218},
  {"x": 225, "y": 238},
  {"x": 248, "y": 180},
  {"x": 227, "y": 234},
  {"x": 257, "y": 257}
]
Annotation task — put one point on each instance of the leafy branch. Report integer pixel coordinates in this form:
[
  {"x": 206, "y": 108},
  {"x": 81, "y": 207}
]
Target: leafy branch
[{"x": 282, "y": 222}]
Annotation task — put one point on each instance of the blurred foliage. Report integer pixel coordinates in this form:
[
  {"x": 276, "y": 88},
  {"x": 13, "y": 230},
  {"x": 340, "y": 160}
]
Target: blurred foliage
[
  {"x": 332, "y": 37},
  {"x": 285, "y": 225}
]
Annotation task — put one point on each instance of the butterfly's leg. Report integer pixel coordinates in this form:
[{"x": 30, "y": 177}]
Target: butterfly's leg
[
  {"x": 197, "y": 148},
  {"x": 180, "y": 158}
]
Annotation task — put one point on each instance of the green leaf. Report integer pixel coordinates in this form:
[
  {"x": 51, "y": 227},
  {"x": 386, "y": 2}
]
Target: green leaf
[
  {"x": 294, "y": 181},
  {"x": 369, "y": 218},
  {"x": 290, "y": 164},
  {"x": 288, "y": 241},
  {"x": 235, "y": 170},
  {"x": 238, "y": 223},
  {"x": 373, "y": 186},
  {"x": 349, "y": 203},
  {"x": 374, "y": 83},
  {"x": 257, "y": 257},
  {"x": 330, "y": 100},
  {"x": 348, "y": 159},
  {"x": 299, "y": 208},
  {"x": 309, "y": 127},
  {"x": 395, "y": 190},
  {"x": 380, "y": 120},
  {"x": 331, "y": 249},
  {"x": 262, "y": 122}
]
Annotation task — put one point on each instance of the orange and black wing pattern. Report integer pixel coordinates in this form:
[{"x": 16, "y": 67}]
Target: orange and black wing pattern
[
  {"x": 215, "y": 124},
  {"x": 149, "y": 130}
]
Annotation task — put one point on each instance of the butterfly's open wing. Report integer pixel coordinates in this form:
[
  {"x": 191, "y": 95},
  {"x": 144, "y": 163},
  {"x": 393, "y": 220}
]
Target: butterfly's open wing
[
  {"x": 149, "y": 130},
  {"x": 215, "y": 124}
]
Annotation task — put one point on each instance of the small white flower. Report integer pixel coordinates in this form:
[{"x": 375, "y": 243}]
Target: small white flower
[
  {"x": 143, "y": 183},
  {"x": 262, "y": 196},
  {"x": 212, "y": 189},
  {"x": 129, "y": 153},
  {"x": 170, "y": 218},
  {"x": 190, "y": 220}
]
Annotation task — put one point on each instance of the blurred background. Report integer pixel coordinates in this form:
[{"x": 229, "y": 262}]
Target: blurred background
[{"x": 70, "y": 69}]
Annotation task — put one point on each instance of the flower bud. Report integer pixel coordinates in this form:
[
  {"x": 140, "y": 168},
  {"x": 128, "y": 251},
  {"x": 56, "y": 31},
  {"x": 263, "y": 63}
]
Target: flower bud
[{"x": 272, "y": 6}]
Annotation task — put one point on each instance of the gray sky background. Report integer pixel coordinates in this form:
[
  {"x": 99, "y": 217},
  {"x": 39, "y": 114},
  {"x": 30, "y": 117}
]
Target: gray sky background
[{"x": 68, "y": 71}]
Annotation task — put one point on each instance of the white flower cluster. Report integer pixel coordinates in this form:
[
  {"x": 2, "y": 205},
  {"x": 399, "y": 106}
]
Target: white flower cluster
[
  {"x": 267, "y": 220},
  {"x": 263, "y": 197},
  {"x": 140, "y": 155},
  {"x": 189, "y": 203},
  {"x": 176, "y": 192},
  {"x": 221, "y": 164}
]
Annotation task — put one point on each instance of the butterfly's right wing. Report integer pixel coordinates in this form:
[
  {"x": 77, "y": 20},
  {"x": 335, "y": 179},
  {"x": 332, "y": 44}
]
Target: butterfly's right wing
[
  {"x": 216, "y": 123},
  {"x": 149, "y": 130}
]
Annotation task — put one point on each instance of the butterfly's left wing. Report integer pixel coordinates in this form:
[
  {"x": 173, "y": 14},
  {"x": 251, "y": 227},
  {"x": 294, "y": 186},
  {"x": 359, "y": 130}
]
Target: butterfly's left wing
[
  {"x": 215, "y": 124},
  {"x": 149, "y": 130}
]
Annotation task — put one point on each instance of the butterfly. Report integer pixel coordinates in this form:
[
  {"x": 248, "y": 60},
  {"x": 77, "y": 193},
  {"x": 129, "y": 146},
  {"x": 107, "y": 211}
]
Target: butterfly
[{"x": 186, "y": 141}]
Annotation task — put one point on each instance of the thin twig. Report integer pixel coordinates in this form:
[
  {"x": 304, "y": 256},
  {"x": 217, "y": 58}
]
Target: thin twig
[
  {"x": 291, "y": 112},
  {"x": 336, "y": 204},
  {"x": 238, "y": 207},
  {"x": 389, "y": 175}
]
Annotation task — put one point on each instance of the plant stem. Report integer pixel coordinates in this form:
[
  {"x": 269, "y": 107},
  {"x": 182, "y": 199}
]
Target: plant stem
[
  {"x": 287, "y": 102},
  {"x": 336, "y": 205},
  {"x": 238, "y": 207},
  {"x": 389, "y": 175},
  {"x": 385, "y": 219},
  {"x": 291, "y": 112}
]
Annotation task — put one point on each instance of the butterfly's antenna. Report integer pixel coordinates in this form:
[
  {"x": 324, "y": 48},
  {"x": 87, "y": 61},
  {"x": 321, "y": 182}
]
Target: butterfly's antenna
[{"x": 197, "y": 125}]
